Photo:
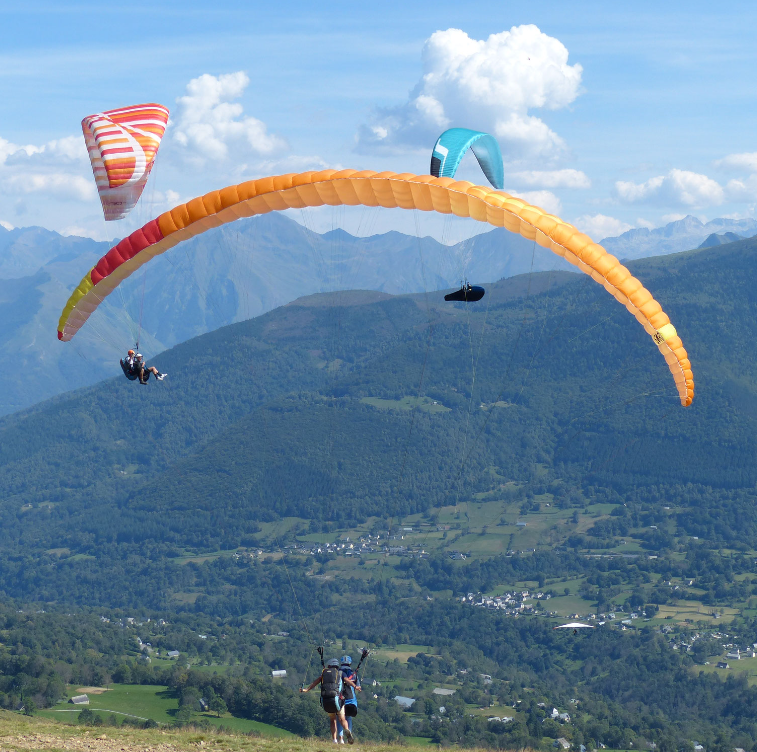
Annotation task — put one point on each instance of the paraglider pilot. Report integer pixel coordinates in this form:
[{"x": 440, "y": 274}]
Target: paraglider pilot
[
  {"x": 332, "y": 683},
  {"x": 133, "y": 366}
]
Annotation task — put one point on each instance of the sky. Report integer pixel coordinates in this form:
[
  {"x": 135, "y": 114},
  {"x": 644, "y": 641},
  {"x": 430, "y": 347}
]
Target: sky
[{"x": 612, "y": 116}]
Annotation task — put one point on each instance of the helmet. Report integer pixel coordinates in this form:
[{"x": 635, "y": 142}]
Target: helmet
[
  {"x": 333, "y": 663},
  {"x": 346, "y": 660},
  {"x": 131, "y": 352}
]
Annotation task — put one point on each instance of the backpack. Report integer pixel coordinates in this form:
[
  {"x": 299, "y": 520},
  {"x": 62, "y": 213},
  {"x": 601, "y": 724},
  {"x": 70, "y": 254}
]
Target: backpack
[
  {"x": 331, "y": 682},
  {"x": 348, "y": 691}
]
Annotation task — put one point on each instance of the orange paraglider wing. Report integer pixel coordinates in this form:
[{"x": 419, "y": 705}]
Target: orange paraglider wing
[{"x": 390, "y": 190}]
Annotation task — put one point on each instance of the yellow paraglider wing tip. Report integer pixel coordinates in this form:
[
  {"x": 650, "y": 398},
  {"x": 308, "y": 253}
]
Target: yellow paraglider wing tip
[{"x": 665, "y": 334}]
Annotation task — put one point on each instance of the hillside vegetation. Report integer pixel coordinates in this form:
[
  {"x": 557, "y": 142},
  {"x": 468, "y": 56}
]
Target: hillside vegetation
[
  {"x": 273, "y": 417},
  {"x": 332, "y": 473}
]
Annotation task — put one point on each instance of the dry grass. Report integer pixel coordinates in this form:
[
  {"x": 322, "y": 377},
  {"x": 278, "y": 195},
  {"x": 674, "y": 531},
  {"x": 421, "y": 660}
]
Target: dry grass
[{"x": 19, "y": 732}]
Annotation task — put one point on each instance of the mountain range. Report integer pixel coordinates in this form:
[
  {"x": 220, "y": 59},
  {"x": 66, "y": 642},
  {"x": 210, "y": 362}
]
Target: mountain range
[
  {"x": 680, "y": 235},
  {"x": 237, "y": 272}
]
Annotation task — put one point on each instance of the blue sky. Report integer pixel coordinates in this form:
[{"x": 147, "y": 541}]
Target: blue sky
[{"x": 613, "y": 118}]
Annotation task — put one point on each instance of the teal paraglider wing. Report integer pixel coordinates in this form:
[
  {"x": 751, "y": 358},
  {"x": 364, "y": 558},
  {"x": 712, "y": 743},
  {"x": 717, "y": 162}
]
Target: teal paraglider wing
[{"x": 451, "y": 147}]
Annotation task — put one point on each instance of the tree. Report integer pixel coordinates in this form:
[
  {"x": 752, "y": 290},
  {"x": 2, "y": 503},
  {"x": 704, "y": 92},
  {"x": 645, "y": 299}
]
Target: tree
[
  {"x": 88, "y": 718},
  {"x": 29, "y": 707},
  {"x": 183, "y": 715},
  {"x": 190, "y": 698},
  {"x": 217, "y": 705},
  {"x": 122, "y": 675}
]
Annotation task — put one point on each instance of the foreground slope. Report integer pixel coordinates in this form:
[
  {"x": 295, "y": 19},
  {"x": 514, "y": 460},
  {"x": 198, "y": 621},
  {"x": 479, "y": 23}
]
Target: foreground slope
[{"x": 18, "y": 732}]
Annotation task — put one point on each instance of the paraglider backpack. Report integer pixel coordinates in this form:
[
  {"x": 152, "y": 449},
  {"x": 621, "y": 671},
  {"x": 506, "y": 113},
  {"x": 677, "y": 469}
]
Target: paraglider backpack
[
  {"x": 347, "y": 690},
  {"x": 330, "y": 683}
]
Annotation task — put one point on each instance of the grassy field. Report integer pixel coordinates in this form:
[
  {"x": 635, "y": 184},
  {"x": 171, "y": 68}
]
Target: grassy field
[
  {"x": 17, "y": 732},
  {"x": 498, "y": 710},
  {"x": 407, "y": 403},
  {"x": 697, "y": 612},
  {"x": 149, "y": 701},
  {"x": 402, "y": 652},
  {"x": 139, "y": 701}
]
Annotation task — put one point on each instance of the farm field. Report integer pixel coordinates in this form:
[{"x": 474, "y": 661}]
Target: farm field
[
  {"x": 402, "y": 652},
  {"x": 145, "y": 702},
  {"x": 697, "y": 612}
]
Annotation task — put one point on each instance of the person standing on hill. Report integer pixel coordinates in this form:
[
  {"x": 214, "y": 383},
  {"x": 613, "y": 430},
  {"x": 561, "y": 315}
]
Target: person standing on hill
[
  {"x": 332, "y": 684},
  {"x": 349, "y": 692}
]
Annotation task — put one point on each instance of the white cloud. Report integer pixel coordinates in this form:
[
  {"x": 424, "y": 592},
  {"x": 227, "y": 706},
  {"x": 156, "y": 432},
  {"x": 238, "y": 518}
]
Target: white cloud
[
  {"x": 291, "y": 163},
  {"x": 9, "y": 150},
  {"x": 600, "y": 226},
  {"x": 678, "y": 187},
  {"x": 209, "y": 124},
  {"x": 693, "y": 189},
  {"x": 745, "y": 161},
  {"x": 60, "y": 185},
  {"x": 742, "y": 190},
  {"x": 7, "y": 225},
  {"x": 645, "y": 223},
  {"x": 552, "y": 178},
  {"x": 489, "y": 85},
  {"x": 6, "y": 149},
  {"x": 80, "y": 231},
  {"x": 632, "y": 192},
  {"x": 67, "y": 149},
  {"x": 543, "y": 199}
]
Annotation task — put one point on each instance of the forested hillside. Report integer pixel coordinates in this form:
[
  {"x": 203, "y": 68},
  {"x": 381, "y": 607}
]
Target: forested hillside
[
  {"x": 385, "y": 470},
  {"x": 299, "y": 412},
  {"x": 229, "y": 274}
]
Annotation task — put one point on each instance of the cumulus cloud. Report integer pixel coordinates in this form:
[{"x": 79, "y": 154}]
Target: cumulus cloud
[
  {"x": 742, "y": 190},
  {"x": 7, "y": 225},
  {"x": 745, "y": 161},
  {"x": 544, "y": 199},
  {"x": 48, "y": 169},
  {"x": 677, "y": 188},
  {"x": 600, "y": 226},
  {"x": 65, "y": 186},
  {"x": 632, "y": 192},
  {"x": 67, "y": 149},
  {"x": 490, "y": 85},
  {"x": 210, "y": 124},
  {"x": 552, "y": 178}
]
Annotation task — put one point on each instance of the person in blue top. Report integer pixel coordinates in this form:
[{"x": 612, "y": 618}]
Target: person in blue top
[{"x": 351, "y": 687}]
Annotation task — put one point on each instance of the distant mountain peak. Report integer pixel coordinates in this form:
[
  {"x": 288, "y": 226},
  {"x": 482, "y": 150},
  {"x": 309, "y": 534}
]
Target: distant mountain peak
[
  {"x": 680, "y": 235},
  {"x": 714, "y": 239}
]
